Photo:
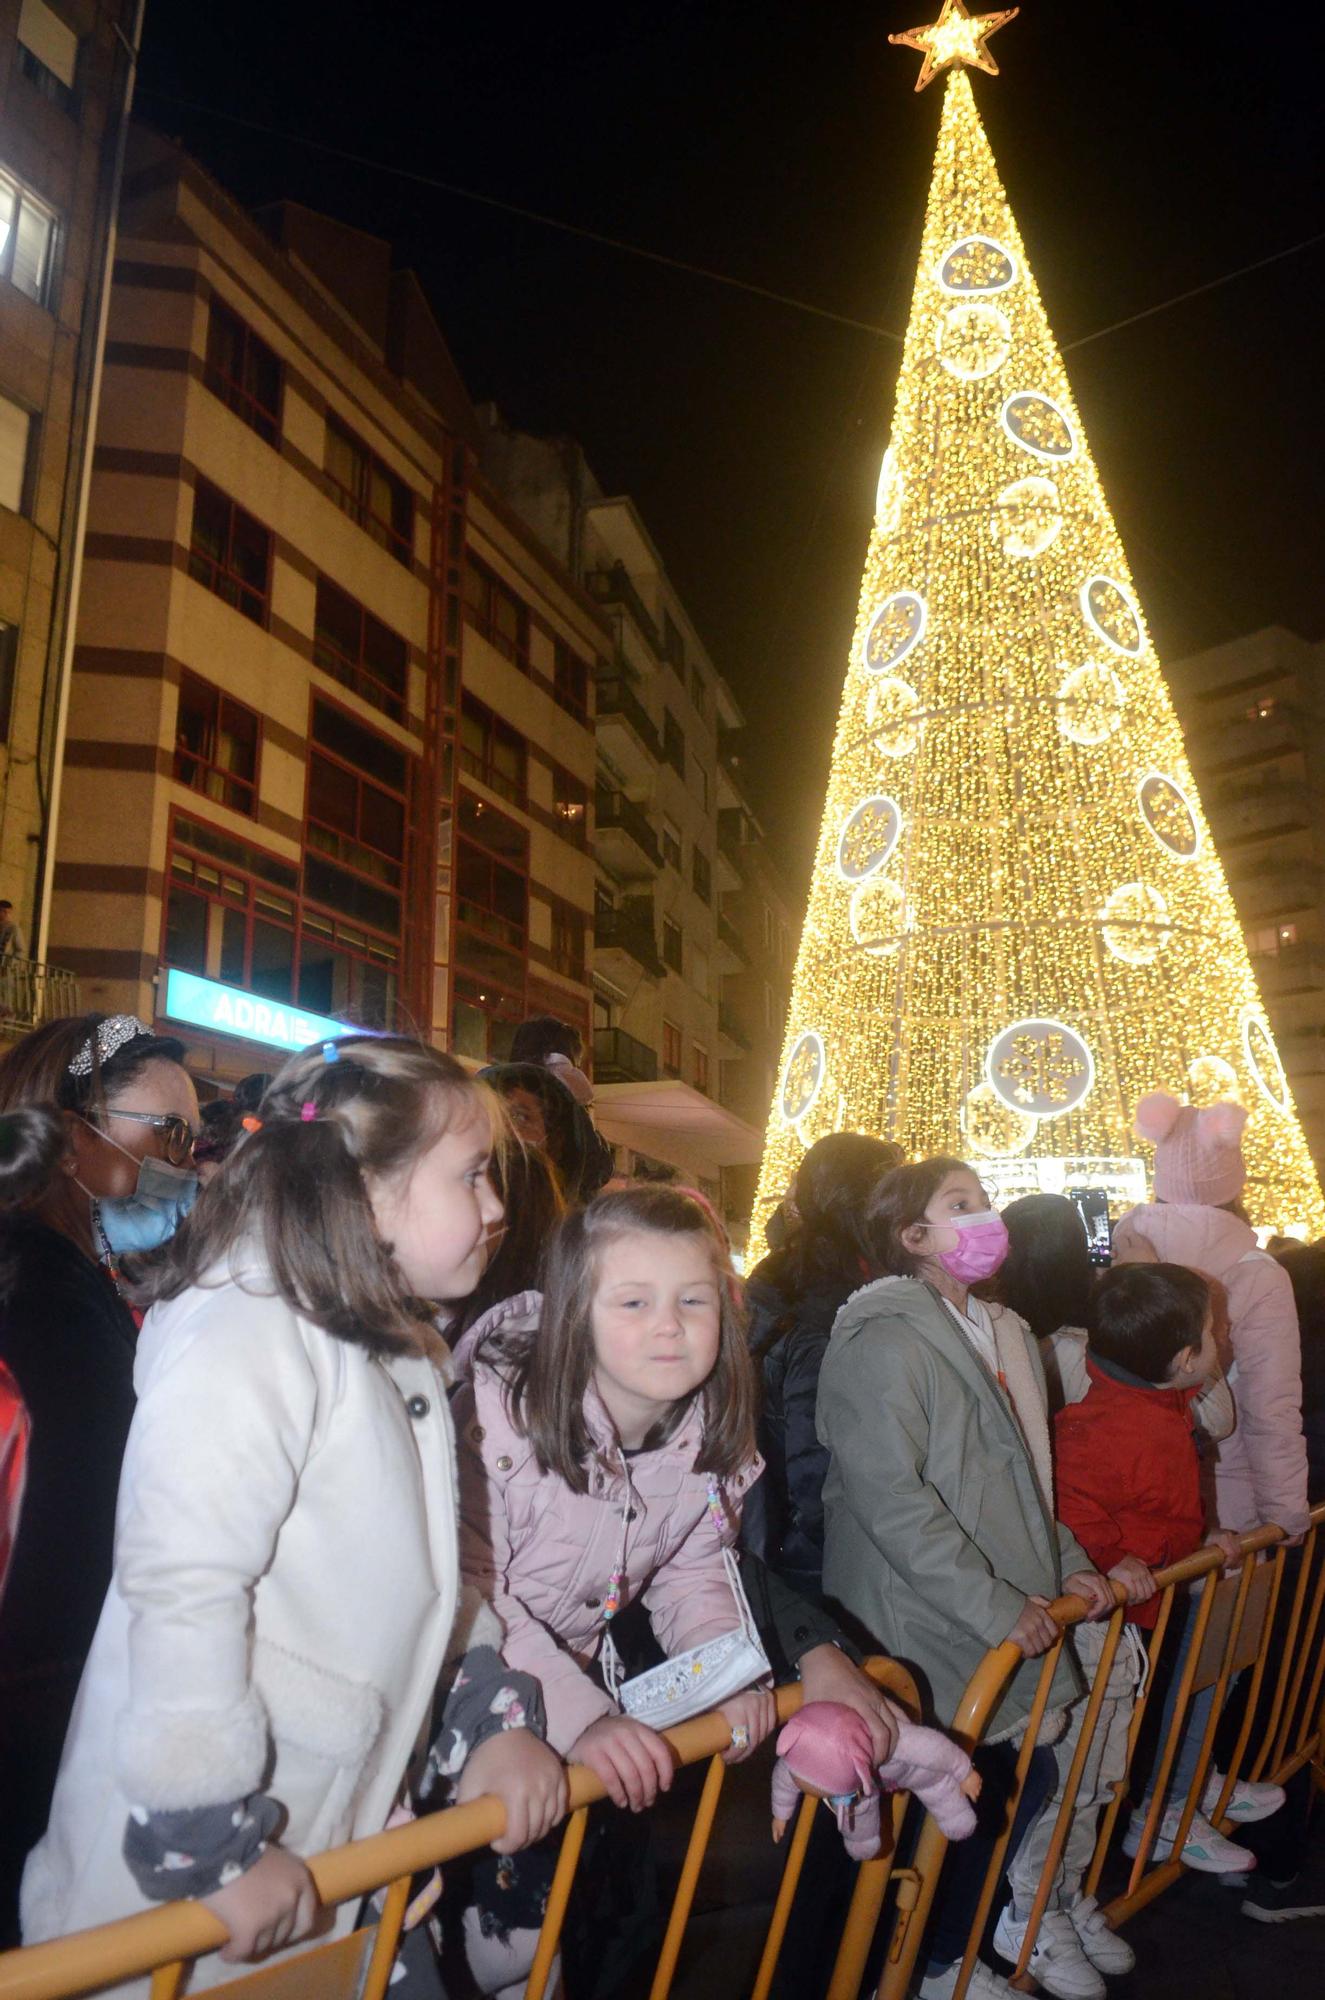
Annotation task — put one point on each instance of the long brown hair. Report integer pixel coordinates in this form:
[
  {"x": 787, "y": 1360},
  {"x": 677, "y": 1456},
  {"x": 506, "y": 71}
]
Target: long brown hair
[
  {"x": 549, "y": 1378},
  {"x": 295, "y": 1190},
  {"x": 896, "y": 1203}
]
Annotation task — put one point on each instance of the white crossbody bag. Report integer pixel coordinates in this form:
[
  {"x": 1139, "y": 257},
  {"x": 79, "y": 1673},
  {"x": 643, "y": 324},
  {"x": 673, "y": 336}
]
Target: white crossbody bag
[{"x": 702, "y": 1678}]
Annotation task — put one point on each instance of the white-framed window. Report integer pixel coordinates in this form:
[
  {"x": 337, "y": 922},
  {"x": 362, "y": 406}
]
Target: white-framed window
[
  {"x": 27, "y": 238},
  {"x": 15, "y": 433},
  {"x": 48, "y": 51}
]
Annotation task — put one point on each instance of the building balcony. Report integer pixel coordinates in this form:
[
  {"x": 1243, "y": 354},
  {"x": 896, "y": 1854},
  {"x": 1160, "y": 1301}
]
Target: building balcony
[
  {"x": 620, "y": 1058},
  {"x": 729, "y": 1026},
  {"x": 1303, "y": 1053},
  {"x": 730, "y": 942},
  {"x": 32, "y": 994},
  {"x": 613, "y": 586},
  {"x": 1250, "y": 812},
  {"x": 1294, "y": 968},
  {"x": 1277, "y": 892},
  {"x": 624, "y": 841},
  {"x": 632, "y": 931},
  {"x": 627, "y": 730},
  {"x": 1222, "y": 746}
]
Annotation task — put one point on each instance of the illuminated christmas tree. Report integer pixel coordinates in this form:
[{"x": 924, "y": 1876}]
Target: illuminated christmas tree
[{"x": 1017, "y": 922}]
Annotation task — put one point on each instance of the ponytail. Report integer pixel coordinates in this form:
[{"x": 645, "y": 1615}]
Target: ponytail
[{"x": 32, "y": 1144}]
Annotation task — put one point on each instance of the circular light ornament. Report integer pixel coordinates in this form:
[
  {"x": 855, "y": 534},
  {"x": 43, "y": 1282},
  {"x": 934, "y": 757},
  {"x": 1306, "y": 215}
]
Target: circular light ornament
[
  {"x": 976, "y": 264},
  {"x": 991, "y": 1128},
  {"x": 1211, "y": 1080},
  {"x": 892, "y": 716},
  {"x": 803, "y": 1077},
  {"x": 878, "y": 916},
  {"x": 868, "y": 837},
  {"x": 1134, "y": 923},
  {"x": 896, "y": 628},
  {"x": 973, "y": 341},
  {"x": 1167, "y": 811},
  {"x": 888, "y": 498},
  {"x": 1090, "y": 701},
  {"x": 1041, "y": 1067},
  {"x": 1036, "y": 423},
  {"x": 1263, "y": 1061},
  {"x": 1026, "y": 517},
  {"x": 1113, "y": 613}
]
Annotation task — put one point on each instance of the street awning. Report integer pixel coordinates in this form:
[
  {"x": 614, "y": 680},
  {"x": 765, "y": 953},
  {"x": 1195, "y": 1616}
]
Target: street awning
[{"x": 675, "y": 1122}]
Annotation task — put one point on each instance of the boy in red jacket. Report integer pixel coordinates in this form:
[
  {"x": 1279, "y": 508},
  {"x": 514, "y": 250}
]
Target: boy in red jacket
[{"x": 1128, "y": 1486}]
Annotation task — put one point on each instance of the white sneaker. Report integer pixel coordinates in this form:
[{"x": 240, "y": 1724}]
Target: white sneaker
[
  {"x": 1247, "y": 1802},
  {"x": 1206, "y": 1850},
  {"x": 1057, "y": 1963},
  {"x": 1107, "y": 1951},
  {"x": 984, "y": 1984}
]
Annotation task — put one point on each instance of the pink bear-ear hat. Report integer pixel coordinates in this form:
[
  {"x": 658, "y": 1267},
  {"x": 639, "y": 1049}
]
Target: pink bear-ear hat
[{"x": 1198, "y": 1154}]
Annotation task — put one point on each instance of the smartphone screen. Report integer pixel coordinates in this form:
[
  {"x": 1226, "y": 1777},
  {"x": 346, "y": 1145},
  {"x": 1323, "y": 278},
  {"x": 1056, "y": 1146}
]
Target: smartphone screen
[{"x": 1092, "y": 1205}]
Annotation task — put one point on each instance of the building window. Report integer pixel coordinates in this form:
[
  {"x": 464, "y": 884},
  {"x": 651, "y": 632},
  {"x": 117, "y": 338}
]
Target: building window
[
  {"x": 570, "y": 681},
  {"x": 358, "y": 783},
  {"x": 701, "y": 875},
  {"x": 216, "y": 745},
  {"x": 699, "y": 971},
  {"x": 673, "y": 645},
  {"x": 370, "y": 493},
  {"x": 1268, "y": 939},
  {"x": 570, "y": 804},
  {"x": 492, "y": 752},
  {"x": 491, "y": 929},
  {"x": 497, "y": 613},
  {"x": 674, "y": 743},
  {"x": 8, "y": 670},
  {"x": 702, "y": 785},
  {"x": 671, "y": 844},
  {"x": 47, "y": 52},
  {"x": 230, "y": 553},
  {"x": 568, "y": 940},
  {"x": 27, "y": 238},
  {"x": 698, "y": 693},
  {"x": 700, "y": 1058},
  {"x": 671, "y": 1049},
  {"x": 671, "y": 944},
  {"x": 243, "y": 372},
  {"x": 359, "y": 650},
  {"x": 231, "y": 912},
  {"x": 15, "y": 439},
  {"x": 1262, "y": 708}
]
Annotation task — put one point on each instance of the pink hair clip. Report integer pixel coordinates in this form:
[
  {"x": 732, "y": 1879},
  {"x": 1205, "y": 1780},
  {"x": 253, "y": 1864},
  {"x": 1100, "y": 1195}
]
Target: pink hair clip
[{"x": 308, "y": 1111}]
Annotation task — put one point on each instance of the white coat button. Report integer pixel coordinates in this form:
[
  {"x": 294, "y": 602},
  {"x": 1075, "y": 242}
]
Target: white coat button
[
  {"x": 503, "y": 1463},
  {"x": 418, "y": 1406}
]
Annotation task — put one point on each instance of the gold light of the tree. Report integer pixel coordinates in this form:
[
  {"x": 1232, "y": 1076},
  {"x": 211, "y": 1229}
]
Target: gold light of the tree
[{"x": 956, "y": 37}]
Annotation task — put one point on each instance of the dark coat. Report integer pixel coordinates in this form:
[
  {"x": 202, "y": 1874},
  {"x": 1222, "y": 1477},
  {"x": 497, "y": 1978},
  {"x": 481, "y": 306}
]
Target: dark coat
[
  {"x": 789, "y": 1328},
  {"x": 68, "y": 1339}
]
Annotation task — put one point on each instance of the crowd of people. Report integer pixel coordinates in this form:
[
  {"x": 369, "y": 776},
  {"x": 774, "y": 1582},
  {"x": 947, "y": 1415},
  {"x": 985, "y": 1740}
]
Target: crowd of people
[{"x": 367, "y": 1446}]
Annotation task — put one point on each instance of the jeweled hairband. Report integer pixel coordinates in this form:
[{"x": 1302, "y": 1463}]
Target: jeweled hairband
[{"x": 109, "y": 1039}]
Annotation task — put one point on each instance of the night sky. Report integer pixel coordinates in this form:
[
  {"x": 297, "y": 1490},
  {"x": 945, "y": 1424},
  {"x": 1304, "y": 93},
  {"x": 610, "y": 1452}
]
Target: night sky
[{"x": 1146, "y": 149}]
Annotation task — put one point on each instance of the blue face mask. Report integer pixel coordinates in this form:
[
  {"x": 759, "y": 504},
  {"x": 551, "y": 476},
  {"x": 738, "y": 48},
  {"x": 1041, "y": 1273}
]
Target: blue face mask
[{"x": 149, "y": 1216}]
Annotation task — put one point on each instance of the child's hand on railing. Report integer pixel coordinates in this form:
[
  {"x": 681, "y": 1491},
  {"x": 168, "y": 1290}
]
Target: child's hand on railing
[
  {"x": 518, "y": 1768},
  {"x": 632, "y": 1760},
  {"x": 271, "y": 1904},
  {"x": 751, "y": 1717},
  {"x": 1231, "y": 1545},
  {"x": 1090, "y": 1585},
  {"x": 1035, "y": 1631},
  {"x": 828, "y": 1675},
  {"x": 1135, "y": 1579}
]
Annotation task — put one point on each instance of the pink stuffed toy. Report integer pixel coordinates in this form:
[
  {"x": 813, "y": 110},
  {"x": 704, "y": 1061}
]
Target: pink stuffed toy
[{"x": 825, "y": 1750}]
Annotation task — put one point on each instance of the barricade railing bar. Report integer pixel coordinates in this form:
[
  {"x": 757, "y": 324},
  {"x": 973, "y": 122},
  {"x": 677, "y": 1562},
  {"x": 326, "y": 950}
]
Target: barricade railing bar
[{"x": 1236, "y": 1630}]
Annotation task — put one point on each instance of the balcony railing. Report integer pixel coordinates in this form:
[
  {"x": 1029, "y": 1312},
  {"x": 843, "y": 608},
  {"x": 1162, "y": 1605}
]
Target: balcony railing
[
  {"x": 1246, "y": 811},
  {"x": 613, "y": 586},
  {"x": 1277, "y": 892},
  {"x": 631, "y": 929},
  {"x": 617, "y": 698},
  {"x": 613, "y": 810},
  {"x": 1247, "y": 739},
  {"x": 1294, "y": 968},
  {"x": 731, "y": 937},
  {"x": 729, "y": 1026},
  {"x": 621, "y": 1058},
  {"x": 31, "y": 994}
]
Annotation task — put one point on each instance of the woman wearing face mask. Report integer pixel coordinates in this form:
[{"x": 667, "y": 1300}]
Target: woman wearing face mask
[
  {"x": 97, "y": 1117},
  {"x": 940, "y": 1534}
]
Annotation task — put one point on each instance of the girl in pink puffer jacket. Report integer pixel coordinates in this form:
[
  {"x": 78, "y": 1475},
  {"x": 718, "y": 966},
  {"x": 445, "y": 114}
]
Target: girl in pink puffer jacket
[{"x": 605, "y": 1458}]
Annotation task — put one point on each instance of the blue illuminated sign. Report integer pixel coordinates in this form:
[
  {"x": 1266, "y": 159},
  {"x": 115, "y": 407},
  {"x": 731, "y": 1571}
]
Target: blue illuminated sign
[{"x": 204, "y": 1003}]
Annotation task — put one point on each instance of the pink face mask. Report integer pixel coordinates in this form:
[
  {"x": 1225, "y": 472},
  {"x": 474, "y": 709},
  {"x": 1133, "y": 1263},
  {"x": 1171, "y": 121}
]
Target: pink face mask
[{"x": 981, "y": 1246}]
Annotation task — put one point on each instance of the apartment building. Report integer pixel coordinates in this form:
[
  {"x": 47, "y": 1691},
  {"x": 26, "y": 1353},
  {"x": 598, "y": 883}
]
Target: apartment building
[
  {"x": 1253, "y": 711},
  {"x": 330, "y": 741},
  {"x": 65, "y": 75},
  {"x": 667, "y": 940}
]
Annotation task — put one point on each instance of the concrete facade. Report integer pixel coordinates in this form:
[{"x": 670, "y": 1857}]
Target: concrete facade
[{"x": 1253, "y": 711}]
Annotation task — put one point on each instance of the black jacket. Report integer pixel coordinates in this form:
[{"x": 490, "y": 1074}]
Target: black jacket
[
  {"x": 69, "y": 1341},
  {"x": 789, "y": 1329}
]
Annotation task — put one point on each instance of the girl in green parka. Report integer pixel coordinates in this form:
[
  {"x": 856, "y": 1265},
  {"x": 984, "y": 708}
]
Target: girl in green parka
[{"x": 941, "y": 1540}]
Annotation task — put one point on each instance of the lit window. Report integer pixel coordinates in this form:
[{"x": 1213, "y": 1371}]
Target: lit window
[
  {"x": 27, "y": 232},
  {"x": 570, "y": 804},
  {"x": 230, "y": 552},
  {"x": 216, "y": 745},
  {"x": 15, "y": 429},
  {"x": 243, "y": 372}
]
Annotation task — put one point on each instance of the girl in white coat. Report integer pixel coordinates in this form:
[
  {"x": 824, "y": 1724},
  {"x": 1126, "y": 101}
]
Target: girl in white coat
[{"x": 285, "y": 1592}]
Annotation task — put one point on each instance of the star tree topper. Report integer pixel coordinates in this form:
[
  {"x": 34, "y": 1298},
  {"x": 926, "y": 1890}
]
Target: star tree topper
[{"x": 956, "y": 37}]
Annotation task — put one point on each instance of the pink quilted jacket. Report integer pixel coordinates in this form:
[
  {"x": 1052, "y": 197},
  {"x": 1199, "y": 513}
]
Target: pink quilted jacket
[
  {"x": 1261, "y": 1467},
  {"x": 545, "y": 1556}
]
